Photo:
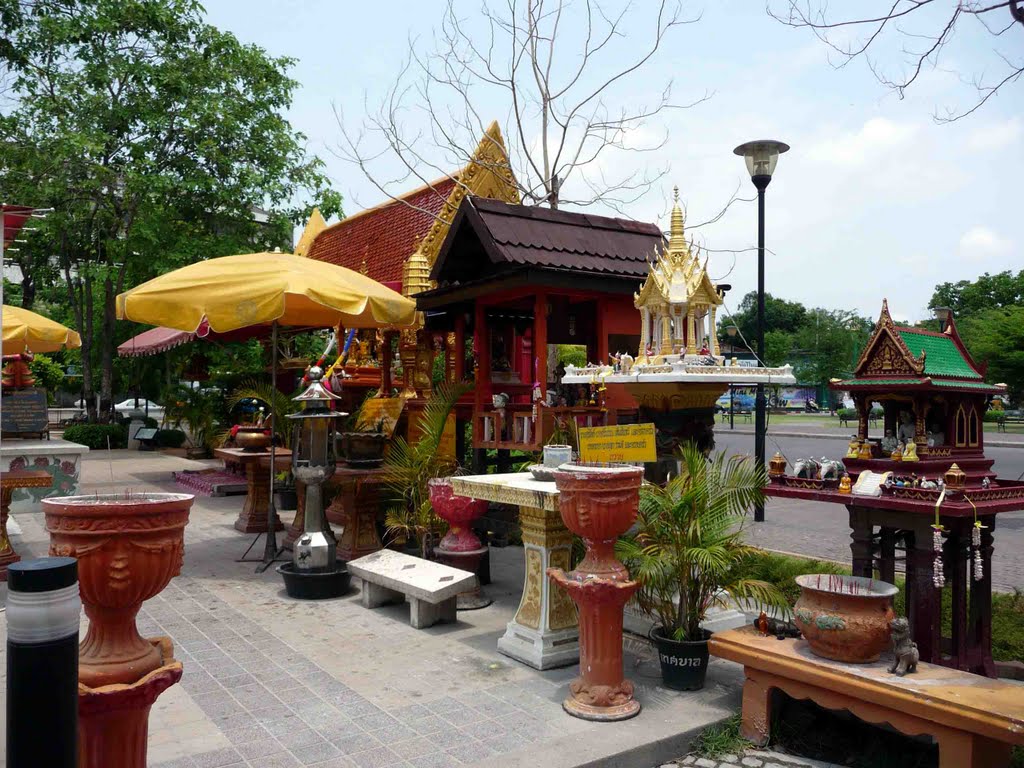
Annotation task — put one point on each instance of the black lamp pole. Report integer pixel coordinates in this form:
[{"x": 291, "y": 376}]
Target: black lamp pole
[
  {"x": 761, "y": 181},
  {"x": 760, "y": 157}
]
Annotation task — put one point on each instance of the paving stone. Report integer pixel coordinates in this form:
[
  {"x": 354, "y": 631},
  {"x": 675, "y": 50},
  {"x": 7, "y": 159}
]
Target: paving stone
[
  {"x": 217, "y": 759},
  {"x": 375, "y": 722},
  {"x": 178, "y": 762},
  {"x": 751, "y": 762},
  {"x": 703, "y": 762},
  {"x": 357, "y": 742},
  {"x": 280, "y": 760},
  {"x": 428, "y": 724},
  {"x": 379, "y": 757},
  {"x": 414, "y": 747},
  {"x": 299, "y": 738},
  {"x": 316, "y": 753},
  {"x": 471, "y": 753},
  {"x": 731, "y": 759},
  {"x": 257, "y": 750}
]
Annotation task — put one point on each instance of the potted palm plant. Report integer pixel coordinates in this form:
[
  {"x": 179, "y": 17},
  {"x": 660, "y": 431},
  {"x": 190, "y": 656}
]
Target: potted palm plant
[
  {"x": 686, "y": 550},
  {"x": 409, "y": 466}
]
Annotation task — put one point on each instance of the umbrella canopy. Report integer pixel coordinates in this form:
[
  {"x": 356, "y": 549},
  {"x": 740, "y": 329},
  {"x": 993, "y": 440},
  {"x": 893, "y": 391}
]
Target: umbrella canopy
[
  {"x": 25, "y": 331},
  {"x": 157, "y": 340},
  {"x": 238, "y": 291}
]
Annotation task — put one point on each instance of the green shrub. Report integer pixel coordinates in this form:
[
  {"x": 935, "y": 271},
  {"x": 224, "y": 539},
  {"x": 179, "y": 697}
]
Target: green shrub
[
  {"x": 877, "y": 413},
  {"x": 847, "y": 413},
  {"x": 993, "y": 417},
  {"x": 170, "y": 438},
  {"x": 95, "y": 436},
  {"x": 149, "y": 422},
  {"x": 1008, "y": 626}
]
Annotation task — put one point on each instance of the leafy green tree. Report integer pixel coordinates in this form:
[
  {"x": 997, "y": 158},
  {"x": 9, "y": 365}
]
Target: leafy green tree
[
  {"x": 968, "y": 297},
  {"x": 997, "y": 335},
  {"x": 828, "y": 343},
  {"x": 779, "y": 315},
  {"x": 777, "y": 347},
  {"x": 154, "y": 137},
  {"x": 48, "y": 374}
]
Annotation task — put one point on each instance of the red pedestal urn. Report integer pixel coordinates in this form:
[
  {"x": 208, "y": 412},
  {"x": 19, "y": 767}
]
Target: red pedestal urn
[
  {"x": 460, "y": 547},
  {"x": 128, "y": 548},
  {"x": 599, "y": 504}
]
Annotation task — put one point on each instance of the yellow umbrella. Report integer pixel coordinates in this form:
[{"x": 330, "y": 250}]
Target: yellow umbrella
[
  {"x": 234, "y": 292},
  {"x": 25, "y": 331}
]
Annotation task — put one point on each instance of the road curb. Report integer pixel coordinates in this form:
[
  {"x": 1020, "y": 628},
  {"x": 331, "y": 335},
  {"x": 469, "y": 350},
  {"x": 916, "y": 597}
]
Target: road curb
[{"x": 846, "y": 438}]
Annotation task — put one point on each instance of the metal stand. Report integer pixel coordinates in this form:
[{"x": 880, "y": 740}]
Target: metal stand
[
  {"x": 263, "y": 564},
  {"x": 270, "y": 550}
]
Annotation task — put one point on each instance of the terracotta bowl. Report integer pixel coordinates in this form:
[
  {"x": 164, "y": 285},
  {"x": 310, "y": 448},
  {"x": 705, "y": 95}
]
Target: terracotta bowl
[
  {"x": 129, "y": 546},
  {"x": 844, "y": 618},
  {"x": 599, "y": 503}
]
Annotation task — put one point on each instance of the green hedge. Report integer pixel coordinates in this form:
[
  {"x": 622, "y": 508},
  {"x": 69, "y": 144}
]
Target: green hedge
[
  {"x": 170, "y": 438},
  {"x": 994, "y": 416},
  {"x": 94, "y": 436},
  {"x": 847, "y": 413}
]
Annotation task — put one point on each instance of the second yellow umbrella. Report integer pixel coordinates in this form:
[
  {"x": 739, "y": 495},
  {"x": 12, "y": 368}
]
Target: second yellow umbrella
[
  {"x": 26, "y": 331},
  {"x": 234, "y": 292}
]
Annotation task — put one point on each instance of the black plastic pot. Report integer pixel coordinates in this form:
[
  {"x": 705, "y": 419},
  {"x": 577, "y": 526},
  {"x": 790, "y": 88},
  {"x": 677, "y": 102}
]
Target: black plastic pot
[
  {"x": 315, "y": 586},
  {"x": 363, "y": 449},
  {"x": 684, "y": 663},
  {"x": 286, "y": 498}
]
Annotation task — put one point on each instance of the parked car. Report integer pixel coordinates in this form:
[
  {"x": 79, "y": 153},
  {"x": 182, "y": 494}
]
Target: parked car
[{"x": 143, "y": 405}]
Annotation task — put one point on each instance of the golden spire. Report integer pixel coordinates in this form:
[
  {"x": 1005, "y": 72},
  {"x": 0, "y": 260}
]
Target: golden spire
[
  {"x": 314, "y": 227},
  {"x": 676, "y": 240}
]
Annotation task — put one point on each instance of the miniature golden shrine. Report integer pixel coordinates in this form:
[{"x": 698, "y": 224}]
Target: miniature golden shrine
[{"x": 677, "y": 301}]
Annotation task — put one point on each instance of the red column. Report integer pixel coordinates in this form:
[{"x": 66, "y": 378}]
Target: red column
[
  {"x": 460, "y": 346},
  {"x": 602, "y": 334},
  {"x": 481, "y": 342},
  {"x": 540, "y": 341}
]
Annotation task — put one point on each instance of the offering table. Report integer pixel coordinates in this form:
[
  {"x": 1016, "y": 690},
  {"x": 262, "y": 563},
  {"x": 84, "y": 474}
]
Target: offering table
[
  {"x": 253, "y": 516},
  {"x": 545, "y": 631},
  {"x": 24, "y": 478},
  {"x": 973, "y": 720}
]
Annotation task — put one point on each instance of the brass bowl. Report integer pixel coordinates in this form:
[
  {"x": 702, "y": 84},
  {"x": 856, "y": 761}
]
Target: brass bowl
[{"x": 252, "y": 439}]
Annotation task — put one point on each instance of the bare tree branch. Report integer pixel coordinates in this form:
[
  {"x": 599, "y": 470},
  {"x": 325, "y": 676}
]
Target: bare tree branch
[
  {"x": 814, "y": 15},
  {"x": 549, "y": 63}
]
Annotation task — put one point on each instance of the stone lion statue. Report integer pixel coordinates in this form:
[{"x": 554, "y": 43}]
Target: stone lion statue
[{"x": 904, "y": 649}]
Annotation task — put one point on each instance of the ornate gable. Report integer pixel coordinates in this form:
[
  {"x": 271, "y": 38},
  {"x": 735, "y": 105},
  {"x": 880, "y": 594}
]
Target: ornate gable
[{"x": 886, "y": 354}]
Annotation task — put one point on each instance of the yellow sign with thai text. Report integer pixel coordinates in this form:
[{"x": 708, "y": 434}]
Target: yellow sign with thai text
[
  {"x": 446, "y": 448},
  {"x": 631, "y": 443},
  {"x": 384, "y": 411}
]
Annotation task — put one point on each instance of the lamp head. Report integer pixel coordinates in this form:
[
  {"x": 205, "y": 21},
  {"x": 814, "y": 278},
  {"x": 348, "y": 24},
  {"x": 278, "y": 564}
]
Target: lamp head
[{"x": 761, "y": 157}]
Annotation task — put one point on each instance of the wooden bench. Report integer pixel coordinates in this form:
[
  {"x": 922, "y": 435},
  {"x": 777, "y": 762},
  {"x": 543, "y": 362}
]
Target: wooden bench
[
  {"x": 390, "y": 577},
  {"x": 1002, "y": 421},
  {"x": 973, "y": 719}
]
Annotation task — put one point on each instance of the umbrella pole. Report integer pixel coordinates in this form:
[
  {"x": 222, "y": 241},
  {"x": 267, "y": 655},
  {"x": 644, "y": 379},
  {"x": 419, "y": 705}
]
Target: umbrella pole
[{"x": 270, "y": 550}]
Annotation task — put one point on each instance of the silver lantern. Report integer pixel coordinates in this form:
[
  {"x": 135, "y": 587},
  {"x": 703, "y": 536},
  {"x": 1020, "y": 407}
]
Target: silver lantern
[{"x": 313, "y": 463}]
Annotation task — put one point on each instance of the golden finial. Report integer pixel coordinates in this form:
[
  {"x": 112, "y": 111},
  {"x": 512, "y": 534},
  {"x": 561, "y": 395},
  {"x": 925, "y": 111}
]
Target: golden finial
[{"x": 677, "y": 239}]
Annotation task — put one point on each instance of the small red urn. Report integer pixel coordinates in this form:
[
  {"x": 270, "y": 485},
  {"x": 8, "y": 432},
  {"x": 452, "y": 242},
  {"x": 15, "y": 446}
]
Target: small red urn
[
  {"x": 460, "y": 547},
  {"x": 599, "y": 504}
]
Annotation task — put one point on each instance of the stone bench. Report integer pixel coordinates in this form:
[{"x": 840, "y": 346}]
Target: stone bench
[
  {"x": 973, "y": 719},
  {"x": 390, "y": 577}
]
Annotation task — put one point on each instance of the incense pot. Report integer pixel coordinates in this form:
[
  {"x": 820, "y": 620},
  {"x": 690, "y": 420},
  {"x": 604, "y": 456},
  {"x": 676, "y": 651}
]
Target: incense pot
[{"x": 844, "y": 618}]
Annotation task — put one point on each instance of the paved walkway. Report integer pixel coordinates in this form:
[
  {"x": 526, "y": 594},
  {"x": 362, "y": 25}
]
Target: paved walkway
[
  {"x": 751, "y": 758},
  {"x": 271, "y": 682}
]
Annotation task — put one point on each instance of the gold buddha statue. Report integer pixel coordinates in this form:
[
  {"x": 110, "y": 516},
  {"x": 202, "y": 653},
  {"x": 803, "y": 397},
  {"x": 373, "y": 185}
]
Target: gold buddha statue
[{"x": 910, "y": 452}]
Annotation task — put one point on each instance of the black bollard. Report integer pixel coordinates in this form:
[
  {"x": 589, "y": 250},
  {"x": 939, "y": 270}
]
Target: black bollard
[{"x": 43, "y": 612}]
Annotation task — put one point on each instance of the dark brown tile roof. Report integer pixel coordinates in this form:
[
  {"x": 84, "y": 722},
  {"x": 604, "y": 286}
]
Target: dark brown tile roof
[
  {"x": 386, "y": 235},
  {"x": 532, "y": 236}
]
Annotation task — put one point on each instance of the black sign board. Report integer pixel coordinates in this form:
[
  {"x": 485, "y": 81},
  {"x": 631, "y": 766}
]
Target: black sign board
[{"x": 24, "y": 411}]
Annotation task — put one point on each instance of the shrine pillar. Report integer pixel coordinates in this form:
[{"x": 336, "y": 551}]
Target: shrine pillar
[
  {"x": 645, "y": 331},
  {"x": 713, "y": 331},
  {"x": 680, "y": 335},
  {"x": 666, "y": 334},
  {"x": 384, "y": 352},
  {"x": 691, "y": 330},
  {"x": 540, "y": 342},
  {"x": 921, "y": 408},
  {"x": 602, "y": 336},
  {"x": 863, "y": 406},
  {"x": 482, "y": 344}
]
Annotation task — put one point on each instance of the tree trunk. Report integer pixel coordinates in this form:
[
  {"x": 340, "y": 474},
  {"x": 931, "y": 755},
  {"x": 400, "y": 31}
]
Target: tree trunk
[{"x": 107, "y": 348}]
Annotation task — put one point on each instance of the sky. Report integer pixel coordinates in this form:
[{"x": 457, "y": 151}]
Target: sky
[{"x": 874, "y": 199}]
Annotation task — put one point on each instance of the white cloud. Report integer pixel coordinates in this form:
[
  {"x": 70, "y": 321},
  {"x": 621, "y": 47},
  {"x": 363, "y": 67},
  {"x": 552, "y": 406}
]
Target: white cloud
[
  {"x": 852, "y": 150},
  {"x": 979, "y": 243},
  {"x": 995, "y": 136}
]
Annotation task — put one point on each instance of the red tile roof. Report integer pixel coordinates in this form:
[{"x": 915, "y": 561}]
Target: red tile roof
[{"x": 386, "y": 235}]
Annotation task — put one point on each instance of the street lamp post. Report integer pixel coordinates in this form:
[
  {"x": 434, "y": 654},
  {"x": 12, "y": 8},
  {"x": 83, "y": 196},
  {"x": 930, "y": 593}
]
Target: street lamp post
[
  {"x": 761, "y": 157},
  {"x": 731, "y": 330}
]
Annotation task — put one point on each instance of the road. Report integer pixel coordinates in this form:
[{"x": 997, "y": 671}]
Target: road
[{"x": 821, "y": 530}]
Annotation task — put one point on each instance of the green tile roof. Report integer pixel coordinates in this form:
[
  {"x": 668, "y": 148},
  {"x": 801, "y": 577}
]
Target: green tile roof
[
  {"x": 963, "y": 384},
  {"x": 875, "y": 382},
  {"x": 942, "y": 356}
]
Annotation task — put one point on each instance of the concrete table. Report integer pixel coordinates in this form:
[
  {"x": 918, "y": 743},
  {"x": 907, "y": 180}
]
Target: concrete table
[
  {"x": 545, "y": 631},
  {"x": 25, "y": 478},
  {"x": 253, "y": 516}
]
